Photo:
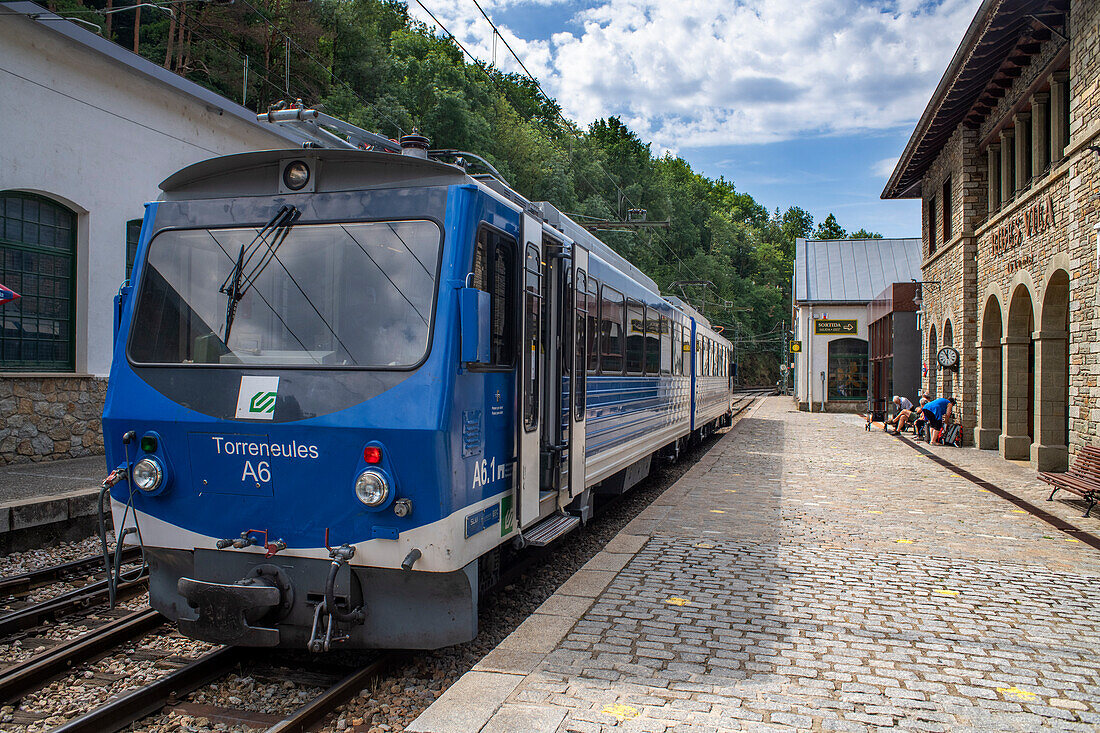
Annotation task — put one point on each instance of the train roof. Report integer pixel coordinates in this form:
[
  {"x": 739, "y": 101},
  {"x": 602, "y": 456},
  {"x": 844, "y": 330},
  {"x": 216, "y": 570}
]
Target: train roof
[
  {"x": 257, "y": 173},
  {"x": 683, "y": 306},
  {"x": 254, "y": 173}
]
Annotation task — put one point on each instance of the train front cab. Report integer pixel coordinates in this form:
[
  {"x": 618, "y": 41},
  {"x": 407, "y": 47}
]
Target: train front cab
[{"x": 255, "y": 530}]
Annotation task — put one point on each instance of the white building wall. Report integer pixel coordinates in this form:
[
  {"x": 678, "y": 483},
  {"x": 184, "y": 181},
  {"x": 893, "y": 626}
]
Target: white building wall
[
  {"x": 98, "y": 137},
  {"x": 814, "y": 357}
]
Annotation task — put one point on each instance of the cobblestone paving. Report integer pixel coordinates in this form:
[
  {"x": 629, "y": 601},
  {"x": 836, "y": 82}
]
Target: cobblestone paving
[{"x": 808, "y": 575}]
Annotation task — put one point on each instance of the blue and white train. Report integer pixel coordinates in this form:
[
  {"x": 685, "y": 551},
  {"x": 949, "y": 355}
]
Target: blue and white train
[{"x": 345, "y": 381}]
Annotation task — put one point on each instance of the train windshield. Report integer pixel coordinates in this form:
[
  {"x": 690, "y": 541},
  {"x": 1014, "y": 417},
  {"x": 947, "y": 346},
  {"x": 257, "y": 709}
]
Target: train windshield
[{"x": 310, "y": 295}]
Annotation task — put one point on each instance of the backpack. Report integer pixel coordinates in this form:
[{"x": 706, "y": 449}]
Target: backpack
[{"x": 952, "y": 435}]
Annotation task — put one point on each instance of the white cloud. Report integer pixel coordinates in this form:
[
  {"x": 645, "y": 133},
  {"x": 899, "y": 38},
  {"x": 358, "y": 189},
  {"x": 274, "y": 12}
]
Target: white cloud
[
  {"x": 700, "y": 72},
  {"x": 885, "y": 167}
]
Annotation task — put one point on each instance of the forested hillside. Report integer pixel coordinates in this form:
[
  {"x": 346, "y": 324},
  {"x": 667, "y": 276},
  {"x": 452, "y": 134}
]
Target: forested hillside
[{"x": 368, "y": 62}]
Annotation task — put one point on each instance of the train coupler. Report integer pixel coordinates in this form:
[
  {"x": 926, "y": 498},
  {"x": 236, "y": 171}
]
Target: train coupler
[{"x": 226, "y": 611}]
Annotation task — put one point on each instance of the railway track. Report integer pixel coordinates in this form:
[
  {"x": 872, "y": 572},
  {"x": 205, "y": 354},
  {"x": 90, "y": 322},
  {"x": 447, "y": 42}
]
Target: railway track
[
  {"x": 16, "y": 585},
  {"x": 27, "y": 623},
  {"x": 165, "y": 692},
  {"x": 19, "y": 679},
  {"x": 170, "y": 692}
]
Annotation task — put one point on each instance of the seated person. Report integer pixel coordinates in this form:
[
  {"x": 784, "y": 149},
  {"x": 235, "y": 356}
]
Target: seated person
[
  {"x": 937, "y": 412},
  {"x": 912, "y": 416},
  {"x": 901, "y": 404}
]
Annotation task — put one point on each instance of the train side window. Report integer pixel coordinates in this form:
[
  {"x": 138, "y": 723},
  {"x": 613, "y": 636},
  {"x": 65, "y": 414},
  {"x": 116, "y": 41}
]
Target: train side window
[
  {"x": 593, "y": 304},
  {"x": 611, "y": 331},
  {"x": 494, "y": 272},
  {"x": 653, "y": 342},
  {"x": 666, "y": 345},
  {"x": 674, "y": 338},
  {"x": 532, "y": 358},
  {"x": 685, "y": 349},
  {"x": 677, "y": 349},
  {"x": 635, "y": 337}
]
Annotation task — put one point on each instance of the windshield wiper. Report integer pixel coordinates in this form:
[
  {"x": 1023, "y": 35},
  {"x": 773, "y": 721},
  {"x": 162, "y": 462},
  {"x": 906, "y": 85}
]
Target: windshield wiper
[{"x": 237, "y": 283}]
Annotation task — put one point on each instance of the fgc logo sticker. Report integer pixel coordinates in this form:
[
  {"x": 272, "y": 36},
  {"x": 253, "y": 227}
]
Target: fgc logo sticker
[
  {"x": 262, "y": 402},
  {"x": 256, "y": 398}
]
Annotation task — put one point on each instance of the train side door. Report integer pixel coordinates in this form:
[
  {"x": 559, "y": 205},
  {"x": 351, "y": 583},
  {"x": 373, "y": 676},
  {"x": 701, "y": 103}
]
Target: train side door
[
  {"x": 578, "y": 356},
  {"x": 557, "y": 257},
  {"x": 530, "y": 377}
]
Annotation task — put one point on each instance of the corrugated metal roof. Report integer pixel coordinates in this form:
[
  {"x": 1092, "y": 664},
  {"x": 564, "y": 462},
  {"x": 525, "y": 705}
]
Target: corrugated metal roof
[{"x": 852, "y": 270}]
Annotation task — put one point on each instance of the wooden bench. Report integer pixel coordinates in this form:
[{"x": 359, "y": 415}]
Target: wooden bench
[{"x": 1083, "y": 477}]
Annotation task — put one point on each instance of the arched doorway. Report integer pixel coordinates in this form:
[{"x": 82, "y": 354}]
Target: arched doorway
[
  {"x": 1017, "y": 413},
  {"x": 38, "y": 261},
  {"x": 948, "y": 374},
  {"x": 989, "y": 423},
  {"x": 1050, "y": 450},
  {"x": 930, "y": 361}
]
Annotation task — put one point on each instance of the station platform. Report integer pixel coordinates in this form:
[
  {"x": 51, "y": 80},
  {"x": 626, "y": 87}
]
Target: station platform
[
  {"x": 48, "y": 501},
  {"x": 808, "y": 575}
]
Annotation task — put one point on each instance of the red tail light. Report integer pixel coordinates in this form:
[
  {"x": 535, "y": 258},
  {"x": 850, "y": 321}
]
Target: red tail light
[{"x": 372, "y": 454}]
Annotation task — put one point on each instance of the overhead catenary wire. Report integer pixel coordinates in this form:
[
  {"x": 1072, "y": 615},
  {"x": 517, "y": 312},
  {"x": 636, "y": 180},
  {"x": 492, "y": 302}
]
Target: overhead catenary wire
[{"x": 568, "y": 126}]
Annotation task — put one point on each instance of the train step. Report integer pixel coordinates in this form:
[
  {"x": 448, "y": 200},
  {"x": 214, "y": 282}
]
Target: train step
[{"x": 550, "y": 529}]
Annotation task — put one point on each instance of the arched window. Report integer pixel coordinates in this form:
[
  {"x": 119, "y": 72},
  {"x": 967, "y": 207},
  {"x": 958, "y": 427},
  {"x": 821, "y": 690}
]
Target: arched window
[
  {"x": 847, "y": 369},
  {"x": 38, "y": 261}
]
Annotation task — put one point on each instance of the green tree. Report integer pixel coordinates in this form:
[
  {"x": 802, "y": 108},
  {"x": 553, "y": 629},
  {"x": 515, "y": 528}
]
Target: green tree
[
  {"x": 368, "y": 62},
  {"x": 830, "y": 229},
  {"x": 864, "y": 234}
]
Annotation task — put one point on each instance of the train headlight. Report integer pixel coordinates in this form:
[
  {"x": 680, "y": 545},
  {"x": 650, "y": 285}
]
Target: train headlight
[
  {"x": 148, "y": 474},
  {"x": 372, "y": 488},
  {"x": 296, "y": 175}
]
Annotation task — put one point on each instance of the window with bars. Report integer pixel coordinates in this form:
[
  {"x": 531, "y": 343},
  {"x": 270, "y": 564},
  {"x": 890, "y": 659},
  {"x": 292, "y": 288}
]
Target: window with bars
[{"x": 38, "y": 261}]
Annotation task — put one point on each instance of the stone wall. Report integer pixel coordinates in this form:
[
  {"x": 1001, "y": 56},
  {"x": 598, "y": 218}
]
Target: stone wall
[
  {"x": 1084, "y": 185},
  {"x": 50, "y": 417},
  {"x": 953, "y": 267},
  {"x": 974, "y": 265}
]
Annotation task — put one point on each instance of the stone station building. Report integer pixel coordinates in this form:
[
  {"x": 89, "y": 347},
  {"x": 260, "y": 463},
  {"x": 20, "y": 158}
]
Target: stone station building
[{"x": 1005, "y": 161}]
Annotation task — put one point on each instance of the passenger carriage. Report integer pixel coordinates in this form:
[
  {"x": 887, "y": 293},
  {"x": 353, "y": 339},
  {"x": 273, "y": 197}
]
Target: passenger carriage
[{"x": 344, "y": 380}]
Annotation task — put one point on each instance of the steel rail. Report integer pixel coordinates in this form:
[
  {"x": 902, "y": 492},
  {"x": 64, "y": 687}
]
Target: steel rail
[
  {"x": 21, "y": 678},
  {"x": 44, "y": 576},
  {"x": 315, "y": 711},
  {"x": 90, "y": 595},
  {"x": 122, "y": 711}
]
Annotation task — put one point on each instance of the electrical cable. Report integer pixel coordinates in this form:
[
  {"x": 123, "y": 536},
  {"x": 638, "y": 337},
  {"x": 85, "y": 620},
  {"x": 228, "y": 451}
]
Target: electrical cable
[{"x": 109, "y": 112}]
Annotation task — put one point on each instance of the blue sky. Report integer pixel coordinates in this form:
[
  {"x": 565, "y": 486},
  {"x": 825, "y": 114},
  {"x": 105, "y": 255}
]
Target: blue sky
[{"x": 798, "y": 102}]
